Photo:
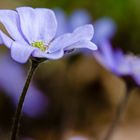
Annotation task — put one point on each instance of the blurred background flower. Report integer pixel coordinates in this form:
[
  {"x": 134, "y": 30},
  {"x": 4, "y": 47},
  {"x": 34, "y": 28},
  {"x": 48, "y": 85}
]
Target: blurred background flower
[
  {"x": 76, "y": 94},
  {"x": 12, "y": 79}
]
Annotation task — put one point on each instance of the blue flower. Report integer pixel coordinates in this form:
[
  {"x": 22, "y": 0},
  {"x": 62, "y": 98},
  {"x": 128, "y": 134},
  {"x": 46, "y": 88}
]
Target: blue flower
[
  {"x": 33, "y": 31},
  {"x": 114, "y": 59},
  {"x": 12, "y": 78},
  {"x": 105, "y": 28},
  {"x": 69, "y": 23}
]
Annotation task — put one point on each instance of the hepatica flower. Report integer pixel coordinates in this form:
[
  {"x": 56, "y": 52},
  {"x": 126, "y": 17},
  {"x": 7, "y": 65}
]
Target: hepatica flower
[
  {"x": 69, "y": 23},
  {"x": 105, "y": 28},
  {"x": 32, "y": 33},
  {"x": 118, "y": 63},
  {"x": 114, "y": 59}
]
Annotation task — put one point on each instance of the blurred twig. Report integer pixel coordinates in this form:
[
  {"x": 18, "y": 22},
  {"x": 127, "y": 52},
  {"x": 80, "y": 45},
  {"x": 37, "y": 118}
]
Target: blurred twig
[{"x": 118, "y": 115}]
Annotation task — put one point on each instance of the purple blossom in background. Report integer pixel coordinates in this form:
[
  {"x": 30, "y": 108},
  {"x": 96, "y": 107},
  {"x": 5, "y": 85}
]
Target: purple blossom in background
[
  {"x": 79, "y": 18},
  {"x": 33, "y": 33},
  {"x": 105, "y": 29},
  {"x": 69, "y": 23},
  {"x": 114, "y": 60},
  {"x": 12, "y": 80}
]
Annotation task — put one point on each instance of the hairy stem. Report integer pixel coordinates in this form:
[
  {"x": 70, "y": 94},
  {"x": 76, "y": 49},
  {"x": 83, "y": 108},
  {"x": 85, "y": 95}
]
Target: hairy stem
[
  {"x": 15, "y": 125},
  {"x": 118, "y": 115}
]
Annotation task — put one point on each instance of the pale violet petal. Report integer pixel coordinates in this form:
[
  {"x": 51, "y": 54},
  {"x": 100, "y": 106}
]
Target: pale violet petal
[
  {"x": 62, "y": 22},
  {"x": 81, "y": 33},
  {"x": 105, "y": 28},
  {"x": 4, "y": 39},
  {"x": 37, "y": 24},
  {"x": 10, "y": 20},
  {"x": 78, "y": 18},
  {"x": 105, "y": 56},
  {"x": 84, "y": 32},
  {"x": 100, "y": 58},
  {"x": 108, "y": 53},
  {"x": 21, "y": 52},
  {"x": 47, "y": 25},
  {"x": 82, "y": 44},
  {"x": 55, "y": 55}
]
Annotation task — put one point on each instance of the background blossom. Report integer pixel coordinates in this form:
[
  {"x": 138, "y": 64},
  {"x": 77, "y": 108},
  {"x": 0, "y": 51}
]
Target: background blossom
[
  {"x": 114, "y": 59},
  {"x": 12, "y": 79}
]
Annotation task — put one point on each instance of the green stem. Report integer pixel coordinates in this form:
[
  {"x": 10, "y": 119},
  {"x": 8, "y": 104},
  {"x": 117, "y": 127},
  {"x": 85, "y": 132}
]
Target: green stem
[
  {"x": 15, "y": 125},
  {"x": 119, "y": 113}
]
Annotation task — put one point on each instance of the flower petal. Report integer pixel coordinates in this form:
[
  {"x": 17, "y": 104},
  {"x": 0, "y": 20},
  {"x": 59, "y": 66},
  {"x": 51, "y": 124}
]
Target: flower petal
[
  {"x": 21, "y": 52},
  {"x": 84, "y": 32},
  {"x": 108, "y": 54},
  {"x": 10, "y": 20},
  {"x": 81, "y": 33},
  {"x": 62, "y": 26},
  {"x": 105, "y": 28},
  {"x": 105, "y": 56},
  {"x": 55, "y": 55},
  {"x": 37, "y": 24},
  {"x": 79, "y": 18},
  {"x": 82, "y": 44},
  {"x": 4, "y": 39}
]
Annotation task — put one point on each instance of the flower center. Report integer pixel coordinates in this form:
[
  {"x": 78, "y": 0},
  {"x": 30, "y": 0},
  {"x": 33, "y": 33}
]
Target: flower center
[{"x": 40, "y": 45}]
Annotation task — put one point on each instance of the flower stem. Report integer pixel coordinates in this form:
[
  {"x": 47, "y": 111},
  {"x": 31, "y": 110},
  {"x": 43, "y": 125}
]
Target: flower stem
[
  {"x": 117, "y": 118},
  {"x": 15, "y": 125}
]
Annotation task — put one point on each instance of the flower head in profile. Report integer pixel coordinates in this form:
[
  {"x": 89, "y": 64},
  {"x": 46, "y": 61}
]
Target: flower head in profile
[
  {"x": 114, "y": 59},
  {"x": 33, "y": 33}
]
